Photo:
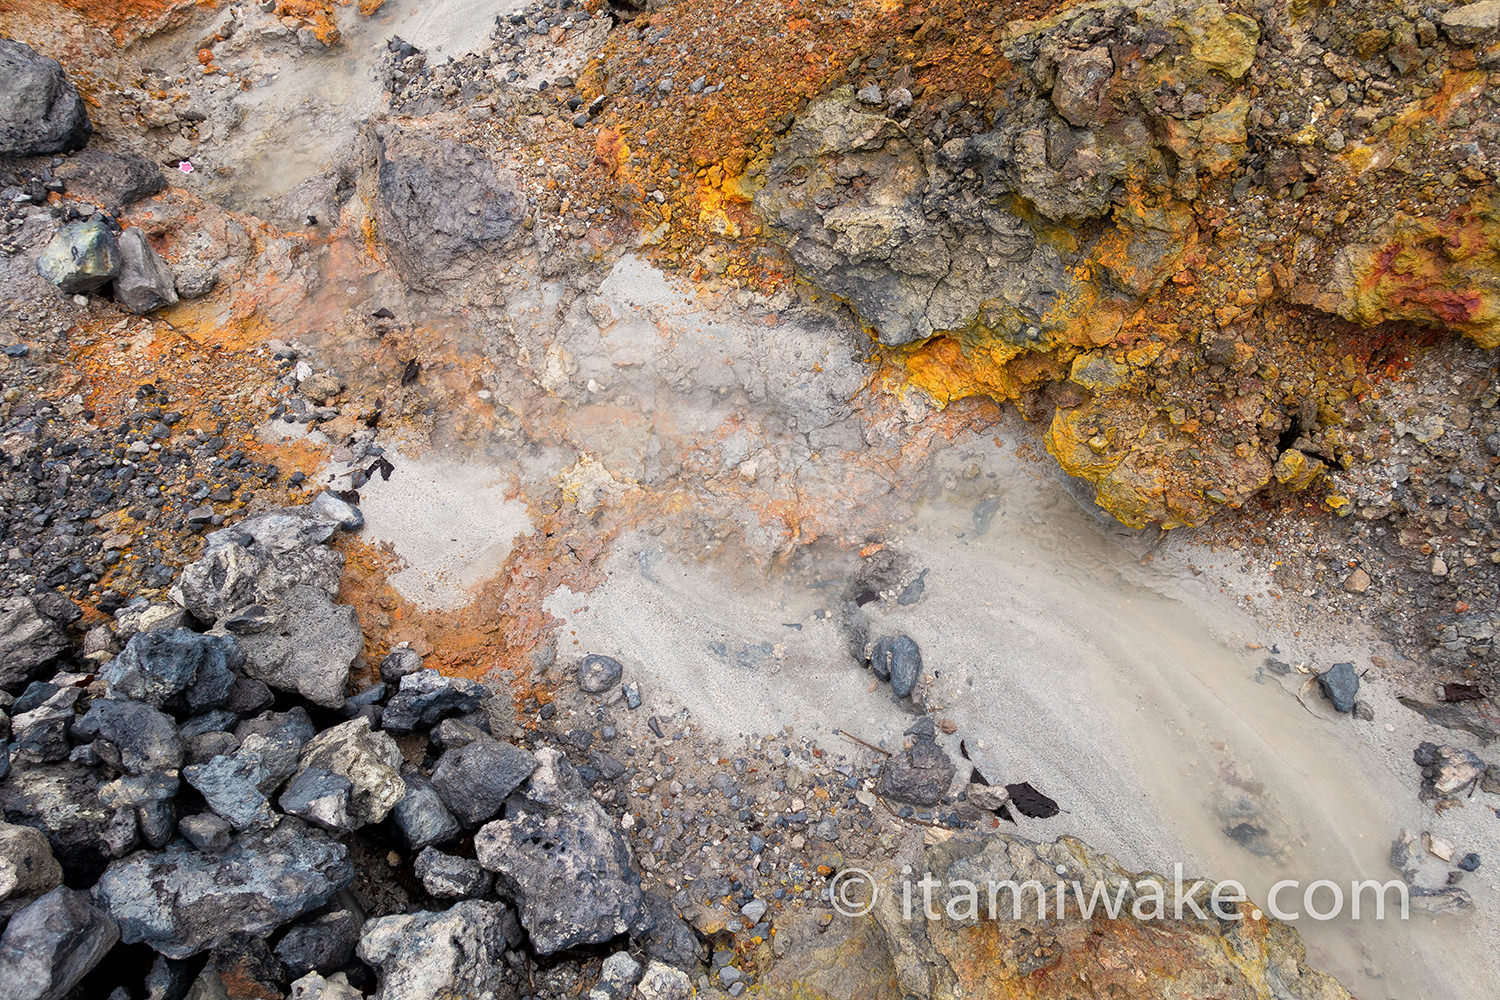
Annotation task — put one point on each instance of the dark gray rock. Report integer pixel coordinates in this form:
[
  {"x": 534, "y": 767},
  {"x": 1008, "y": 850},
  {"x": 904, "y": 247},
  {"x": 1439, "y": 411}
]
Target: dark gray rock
[
  {"x": 456, "y": 953},
  {"x": 1082, "y": 84},
  {"x": 344, "y": 514},
  {"x": 139, "y": 790},
  {"x": 558, "y": 855},
  {"x": 52, "y": 944},
  {"x": 248, "y": 696},
  {"x": 27, "y": 867},
  {"x": 83, "y": 257},
  {"x": 897, "y": 659},
  {"x": 309, "y": 648},
  {"x": 920, "y": 774},
  {"x": 29, "y": 641},
  {"x": 40, "y": 735},
  {"x": 444, "y": 207},
  {"x": 421, "y": 818},
  {"x": 447, "y": 876},
  {"x": 599, "y": 673},
  {"x": 1340, "y": 684},
  {"x": 157, "y": 822},
  {"x": 145, "y": 736},
  {"x": 324, "y": 943},
  {"x": 145, "y": 283},
  {"x": 475, "y": 779},
  {"x": 112, "y": 179},
  {"x": 398, "y": 663},
  {"x": 40, "y": 111},
  {"x": 1447, "y": 770},
  {"x": 195, "y": 281},
  {"x": 665, "y": 936},
  {"x": 320, "y": 797},
  {"x": 180, "y": 901},
  {"x": 206, "y": 831},
  {"x": 62, "y": 801},
  {"x": 427, "y": 697},
  {"x": 123, "y": 833},
  {"x": 177, "y": 670},
  {"x": 232, "y": 787}
]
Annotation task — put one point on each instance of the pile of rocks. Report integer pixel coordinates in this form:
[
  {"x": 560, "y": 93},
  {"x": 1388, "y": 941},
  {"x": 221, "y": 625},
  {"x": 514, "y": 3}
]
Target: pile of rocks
[{"x": 211, "y": 812}]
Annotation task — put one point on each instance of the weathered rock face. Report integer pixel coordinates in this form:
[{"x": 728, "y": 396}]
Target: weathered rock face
[
  {"x": 458, "y": 952},
  {"x": 180, "y": 902},
  {"x": 444, "y": 210},
  {"x": 40, "y": 111},
  {"x": 968, "y": 238},
  {"x": 955, "y": 954},
  {"x": 562, "y": 860}
]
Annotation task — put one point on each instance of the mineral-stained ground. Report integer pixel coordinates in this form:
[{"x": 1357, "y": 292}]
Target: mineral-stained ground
[{"x": 517, "y": 500}]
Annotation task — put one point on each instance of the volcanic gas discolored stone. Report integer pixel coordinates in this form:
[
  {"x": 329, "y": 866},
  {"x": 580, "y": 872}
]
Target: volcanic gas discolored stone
[
  {"x": 83, "y": 257},
  {"x": 309, "y": 647},
  {"x": 455, "y": 953},
  {"x": 61, "y": 800},
  {"x": 40, "y": 111},
  {"x": 180, "y": 901},
  {"x": 52, "y": 944},
  {"x": 368, "y": 761},
  {"x": 558, "y": 855},
  {"x": 447, "y": 876}
]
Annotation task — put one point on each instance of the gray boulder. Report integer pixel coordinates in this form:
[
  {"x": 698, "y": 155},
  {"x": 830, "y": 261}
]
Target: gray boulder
[
  {"x": 29, "y": 641},
  {"x": 370, "y": 762},
  {"x": 178, "y": 669},
  {"x": 456, "y": 953},
  {"x": 179, "y": 901},
  {"x": 919, "y": 774},
  {"x": 308, "y": 649},
  {"x": 617, "y": 977},
  {"x": 145, "y": 282},
  {"x": 145, "y": 737},
  {"x": 324, "y": 943},
  {"x": 27, "y": 867},
  {"x": 558, "y": 855},
  {"x": 40, "y": 111},
  {"x": 420, "y": 818},
  {"x": 112, "y": 179},
  {"x": 476, "y": 778},
  {"x": 662, "y": 982},
  {"x": 427, "y": 697},
  {"x": 448, "y": 876},
  {"x": 48, "y": 947},
  {"x": 83, "y": 257},
  {"x": 443, "y": 207}
]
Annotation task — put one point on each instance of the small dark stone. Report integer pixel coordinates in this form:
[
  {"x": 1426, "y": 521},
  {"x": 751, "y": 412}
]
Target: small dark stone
[
  {"x": 1469, "y": 862},
  {"x": 599, "y": 673},
  {"x": 1340, "y": 684}
]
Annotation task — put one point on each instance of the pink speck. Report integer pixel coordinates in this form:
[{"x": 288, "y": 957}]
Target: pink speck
[{"x": 185, "y": 167}]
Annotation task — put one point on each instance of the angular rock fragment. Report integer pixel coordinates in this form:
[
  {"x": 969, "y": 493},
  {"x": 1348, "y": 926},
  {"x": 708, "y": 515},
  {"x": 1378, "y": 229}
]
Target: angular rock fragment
[
  {"x": 114, "y": 179},
  {"x": 919, "y": 774},
  {"x": 599, "y": 673},
  {"x": 145, "y": 283},
  {"x": 49, "y": 946},
  {"x": 427, "y": 697},
  {"x": 180, "y": 901},
  {"x": 421, "y": 818},
  {"x": 456, "y": 953},
  {"x": 62, "y": 801},
  {"x": 145, "y": 737},
  {"x": 83, "y": 257},
  {"x": 558, "y": 855},
  {"x": 323, "y": 944},
  {"x": 447, "y": 876},
  {"x": 178, "y": 670},
  {"x": 1340, "y": 684},
  {"x": 29, "y": 641},
  {"x": 27, "y": 867},
  {"x": 475, "y": 779},
  {"x": 369, "y": 763}
]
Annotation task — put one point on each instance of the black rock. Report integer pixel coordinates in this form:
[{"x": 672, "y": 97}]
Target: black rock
[
  {"x": 921, "y": 774},
  {"x": 1469, "y": 862},
  {"x": 114, "y": 179},
  {"x": 896, "y": 658},
  {"x": 61, "y": 800},
  {"x": 427, "y": 697},
  {"x": 421, "y": 818},
  {"x": 398, "y": 663},
  {"x": 146, "y": 737},
  {"x": 1340, "y": 684},
  {"x": 40, "y": 111},
  {"x": 29, "y": 640}
]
